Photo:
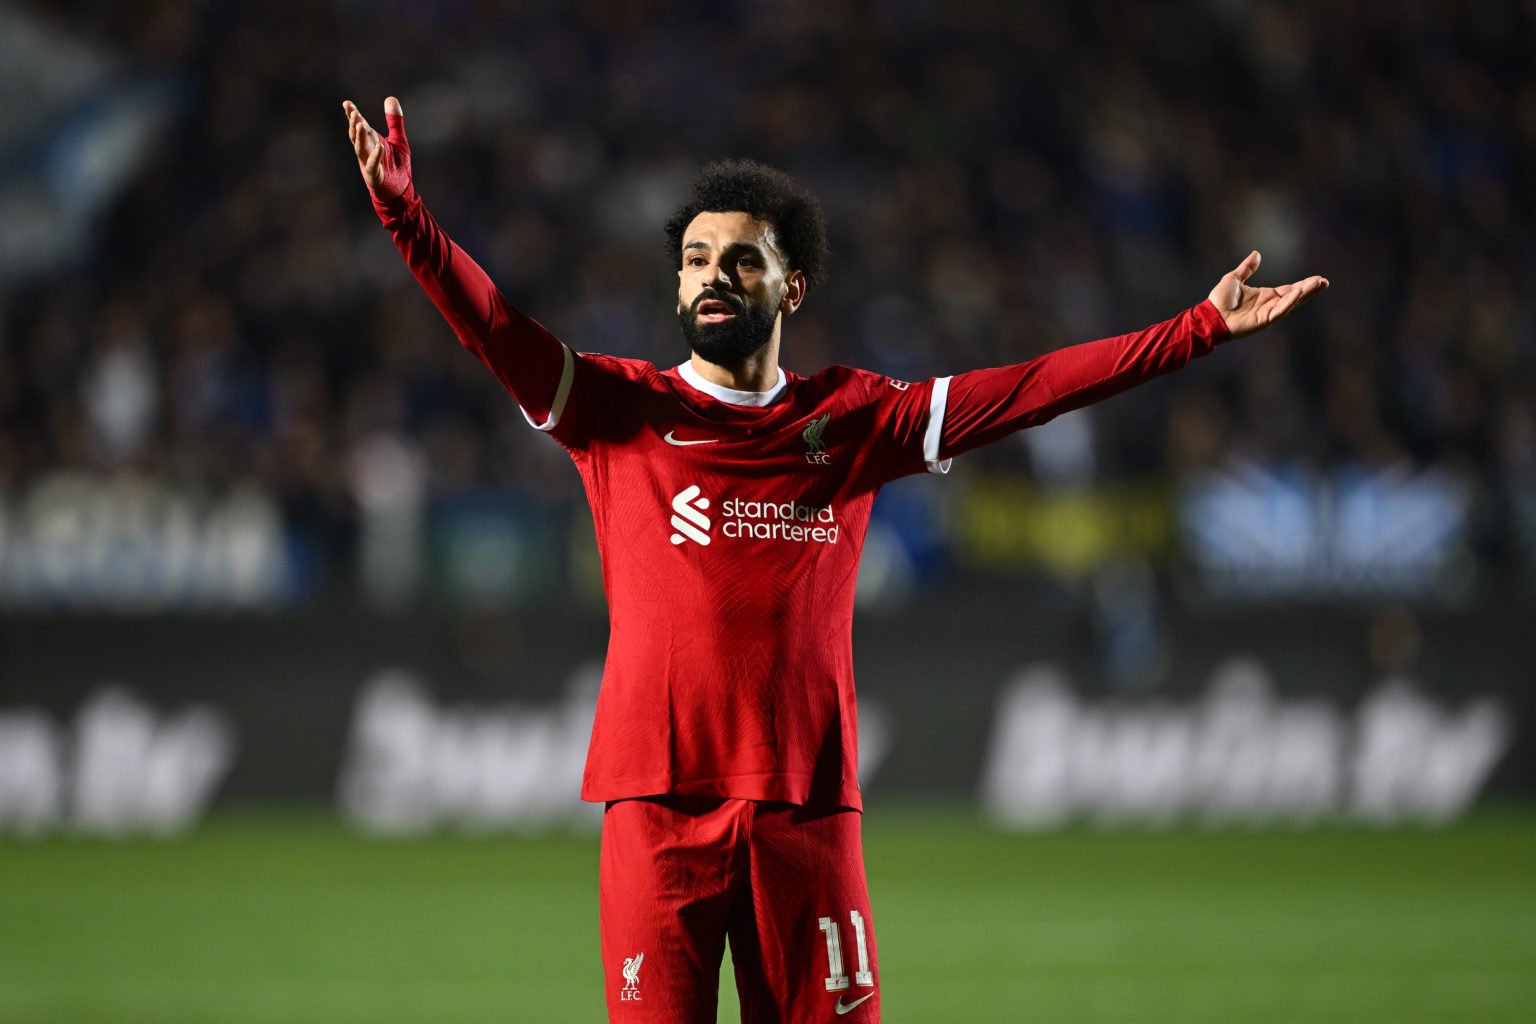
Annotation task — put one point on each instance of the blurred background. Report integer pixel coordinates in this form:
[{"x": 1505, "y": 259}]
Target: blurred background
[{"x": 273, "y": 547}]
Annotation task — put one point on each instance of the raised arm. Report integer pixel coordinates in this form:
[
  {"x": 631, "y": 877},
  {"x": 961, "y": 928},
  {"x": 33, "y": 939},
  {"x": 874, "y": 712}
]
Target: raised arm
[
  {"x": 530, "y": 362},
  {"x": 976, "y": 408}
]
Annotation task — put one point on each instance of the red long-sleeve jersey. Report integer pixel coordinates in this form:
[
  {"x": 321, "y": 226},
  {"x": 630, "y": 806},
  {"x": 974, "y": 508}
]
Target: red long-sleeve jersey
[{"x": 730, "y": 523}]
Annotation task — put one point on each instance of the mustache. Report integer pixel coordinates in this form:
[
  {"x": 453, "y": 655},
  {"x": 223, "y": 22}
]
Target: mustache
[{"x": 709, "y": 293}]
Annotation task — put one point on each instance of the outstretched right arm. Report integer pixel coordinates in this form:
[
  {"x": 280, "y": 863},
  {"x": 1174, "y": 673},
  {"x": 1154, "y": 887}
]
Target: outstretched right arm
[{"x": 530, "y": 362}]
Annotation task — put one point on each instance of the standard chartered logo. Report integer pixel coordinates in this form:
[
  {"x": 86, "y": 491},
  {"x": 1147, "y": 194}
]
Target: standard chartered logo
[
  {"x": 752, "y": 519},
  {"x": 688, "y": 518}
]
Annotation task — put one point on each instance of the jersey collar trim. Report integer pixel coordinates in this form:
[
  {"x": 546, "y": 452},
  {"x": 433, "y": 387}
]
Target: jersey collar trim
[{"x": 730, "y": 395}]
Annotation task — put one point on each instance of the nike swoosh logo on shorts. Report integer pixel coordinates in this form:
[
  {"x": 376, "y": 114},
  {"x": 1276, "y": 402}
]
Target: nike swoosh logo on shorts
[
  {"x": 842, "y": 1009},
  {"x": 683, "y": 444}
]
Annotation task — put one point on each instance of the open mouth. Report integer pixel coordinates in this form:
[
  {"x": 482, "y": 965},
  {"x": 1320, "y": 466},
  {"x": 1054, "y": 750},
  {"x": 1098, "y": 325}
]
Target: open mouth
[{"x": 714, "y": 311}]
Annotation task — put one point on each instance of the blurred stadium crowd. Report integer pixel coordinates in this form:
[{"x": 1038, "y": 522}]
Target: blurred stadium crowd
[{"x": 1000, "y": 179}]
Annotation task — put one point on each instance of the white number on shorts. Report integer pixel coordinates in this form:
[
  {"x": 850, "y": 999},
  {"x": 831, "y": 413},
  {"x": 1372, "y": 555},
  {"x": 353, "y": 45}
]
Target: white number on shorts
[
  {"x": 837, "y": 981},
  {"x": 863, "y": 976}
]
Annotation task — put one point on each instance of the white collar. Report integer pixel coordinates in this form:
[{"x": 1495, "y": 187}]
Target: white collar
[{"x": 731, "y": 395}]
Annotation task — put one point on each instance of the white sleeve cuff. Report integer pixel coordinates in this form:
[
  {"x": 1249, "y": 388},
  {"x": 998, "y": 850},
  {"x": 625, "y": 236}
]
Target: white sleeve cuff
[
  {"x": 562, "y": 392},
  {"x": 936, "y": 406}
]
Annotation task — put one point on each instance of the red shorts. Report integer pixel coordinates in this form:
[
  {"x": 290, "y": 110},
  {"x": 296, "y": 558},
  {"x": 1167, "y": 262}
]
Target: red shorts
[{"x": 679, "y": 874}]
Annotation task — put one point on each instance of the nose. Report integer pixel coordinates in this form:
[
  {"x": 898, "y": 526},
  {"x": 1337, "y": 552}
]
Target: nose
[{"x": 715, "y": 275}]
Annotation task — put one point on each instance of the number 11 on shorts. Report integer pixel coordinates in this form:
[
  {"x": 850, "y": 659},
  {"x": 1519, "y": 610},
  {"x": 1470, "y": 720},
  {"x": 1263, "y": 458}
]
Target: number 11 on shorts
[{"x": 837, "y": 981}]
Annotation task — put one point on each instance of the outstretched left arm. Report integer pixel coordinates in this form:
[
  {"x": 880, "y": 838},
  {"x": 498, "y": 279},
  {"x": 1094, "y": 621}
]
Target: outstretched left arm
[{"x": 976, "y": 408}]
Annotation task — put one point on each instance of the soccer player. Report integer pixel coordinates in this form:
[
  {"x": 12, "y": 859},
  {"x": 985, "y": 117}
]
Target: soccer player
[{"x": 730, "y": 499}]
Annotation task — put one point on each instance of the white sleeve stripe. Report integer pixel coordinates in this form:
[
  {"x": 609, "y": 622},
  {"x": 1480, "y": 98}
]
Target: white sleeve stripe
[
  {"x": 936, "y": 405},
  {"x": 562, "y": 392}
]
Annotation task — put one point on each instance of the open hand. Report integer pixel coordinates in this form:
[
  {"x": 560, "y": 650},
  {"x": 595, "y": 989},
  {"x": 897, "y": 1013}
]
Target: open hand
[
  {"x": 1247, "y": 309},
  {"x": 385, "y": 161}
]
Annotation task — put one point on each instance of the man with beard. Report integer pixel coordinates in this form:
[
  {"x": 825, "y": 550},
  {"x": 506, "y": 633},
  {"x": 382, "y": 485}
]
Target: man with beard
[{"x": 730, "y": 500}]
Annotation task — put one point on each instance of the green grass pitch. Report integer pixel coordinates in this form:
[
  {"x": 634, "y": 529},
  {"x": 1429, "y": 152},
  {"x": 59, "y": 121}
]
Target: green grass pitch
[{"x": 277, "y": 918}]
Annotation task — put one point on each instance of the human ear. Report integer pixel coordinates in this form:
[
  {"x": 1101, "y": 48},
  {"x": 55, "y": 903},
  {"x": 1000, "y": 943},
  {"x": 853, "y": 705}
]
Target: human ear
[{"x": 794, "y": 292}]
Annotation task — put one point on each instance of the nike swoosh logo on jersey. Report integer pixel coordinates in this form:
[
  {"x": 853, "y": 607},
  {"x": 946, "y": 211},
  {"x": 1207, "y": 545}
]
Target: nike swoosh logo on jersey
[
  {"x": 842, "y": 1009},
  {"x": 683, "y": 444}
]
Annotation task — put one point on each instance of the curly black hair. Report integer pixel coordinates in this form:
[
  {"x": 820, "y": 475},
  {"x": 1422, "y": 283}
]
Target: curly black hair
[{"x": 766, "y": 193}]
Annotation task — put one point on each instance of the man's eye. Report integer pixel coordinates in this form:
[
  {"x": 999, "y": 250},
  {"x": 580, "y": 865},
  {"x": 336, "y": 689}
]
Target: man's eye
[
  {"x": 746, "y": 261},
  {"x": 696, "y": 261}
]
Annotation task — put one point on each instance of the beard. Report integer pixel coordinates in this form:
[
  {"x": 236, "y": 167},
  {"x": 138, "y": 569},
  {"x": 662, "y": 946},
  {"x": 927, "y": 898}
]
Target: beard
[{"x": 730, "y": 343}]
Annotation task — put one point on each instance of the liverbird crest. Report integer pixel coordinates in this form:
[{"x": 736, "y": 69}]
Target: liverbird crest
[
  {"x": 632, "y": 970},
  {"x": 812, "y": 435}
]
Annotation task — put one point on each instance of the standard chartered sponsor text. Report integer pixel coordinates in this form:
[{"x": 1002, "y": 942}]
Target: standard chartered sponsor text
[{"x": 779, "y": 520}]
